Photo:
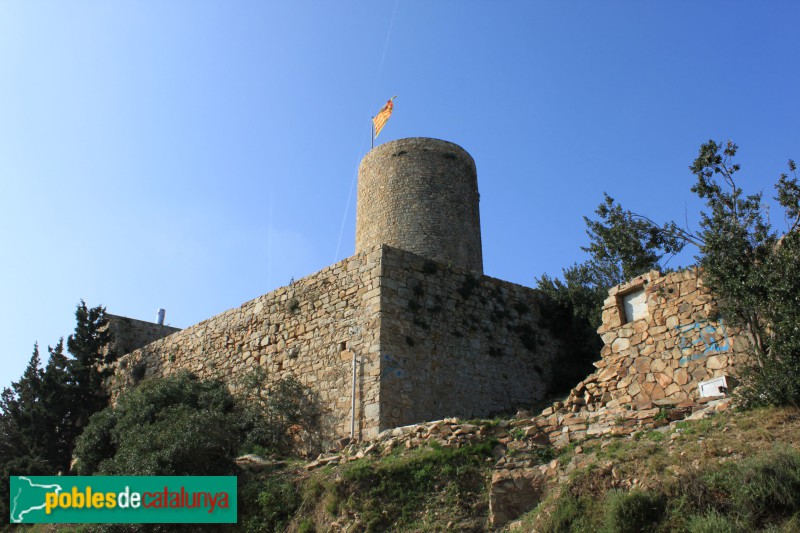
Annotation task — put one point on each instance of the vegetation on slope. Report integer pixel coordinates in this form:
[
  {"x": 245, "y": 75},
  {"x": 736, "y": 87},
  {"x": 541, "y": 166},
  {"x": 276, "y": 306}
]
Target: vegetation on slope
[
  {"x": 425, "y": 489},
  {"x": 733, "y": 472}
]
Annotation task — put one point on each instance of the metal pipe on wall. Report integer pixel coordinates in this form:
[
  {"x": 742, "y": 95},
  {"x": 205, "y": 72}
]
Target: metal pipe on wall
[{"x": 353, "y": 402}]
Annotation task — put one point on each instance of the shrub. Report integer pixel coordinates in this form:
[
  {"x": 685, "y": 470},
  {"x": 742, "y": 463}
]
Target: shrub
[
  {"x": 389, "y": 495},
  {"x": 567, "y": 512},
  {"x": 766, "y": 487},
  {"x": 277, "y": 502},
  {"x": 277, "y": 417},
  {"x": 633, "y": 511},
  {"x": 171, "y": 426},
  {"x": 180, "y": 425}
]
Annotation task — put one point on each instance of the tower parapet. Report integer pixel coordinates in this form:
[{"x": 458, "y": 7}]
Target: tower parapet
[{"x": 421, "y": 195}]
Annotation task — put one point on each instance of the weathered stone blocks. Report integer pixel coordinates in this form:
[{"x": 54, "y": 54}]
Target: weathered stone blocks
[{"x": 431, "y": 340}]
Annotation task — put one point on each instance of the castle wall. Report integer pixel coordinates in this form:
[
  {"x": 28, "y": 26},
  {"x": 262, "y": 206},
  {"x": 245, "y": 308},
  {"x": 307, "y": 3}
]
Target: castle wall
[
  {"x": 455, "y": 343},
  {"x": 431, "y": 340},
  {"x": 308, "y": 330},
  {"x": 131, "y": 334}
]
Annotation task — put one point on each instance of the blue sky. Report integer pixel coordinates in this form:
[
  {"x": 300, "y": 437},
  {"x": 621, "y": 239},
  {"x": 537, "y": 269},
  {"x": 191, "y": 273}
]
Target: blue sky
[{"x": 194, "y": 155}]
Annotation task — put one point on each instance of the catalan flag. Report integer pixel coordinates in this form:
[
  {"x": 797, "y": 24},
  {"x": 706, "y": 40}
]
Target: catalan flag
[{"x": 379, "y": 120}]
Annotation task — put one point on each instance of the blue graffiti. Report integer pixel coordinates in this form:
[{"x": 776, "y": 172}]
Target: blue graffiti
[
  {"x": 391, "y": 367},
  {"x": 700, "y": 339}
]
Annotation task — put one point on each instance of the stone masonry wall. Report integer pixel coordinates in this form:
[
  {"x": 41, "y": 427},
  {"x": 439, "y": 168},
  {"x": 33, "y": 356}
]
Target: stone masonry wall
[
  {"x": 455, "y": 343},
  {"x": 652, "y": 365},
  {"x": 678, "y": 342},
  {"x": 131, "y": 334},
  {"x": 308, "y": 330},
  {"x": 431, "y": 340},
  {"x": 421, "y": 195}
]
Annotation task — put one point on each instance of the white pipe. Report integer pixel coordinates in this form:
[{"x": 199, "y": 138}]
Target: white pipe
[{"x": 353, "y": 402}]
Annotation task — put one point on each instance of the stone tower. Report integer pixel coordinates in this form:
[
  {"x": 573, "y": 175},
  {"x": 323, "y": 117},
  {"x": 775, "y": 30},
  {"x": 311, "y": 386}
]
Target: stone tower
[{"x": 421, "y": 195}]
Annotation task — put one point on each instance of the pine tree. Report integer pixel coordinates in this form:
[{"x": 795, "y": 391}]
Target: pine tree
[
  {"x": 22, "y": 429},
  {"x": 42, "y": 414},
  {"x": 90, "y": 347},
  {"x": 54, "y": 397}
]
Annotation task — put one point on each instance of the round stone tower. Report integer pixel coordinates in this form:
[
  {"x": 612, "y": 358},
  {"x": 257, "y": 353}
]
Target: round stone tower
[{"x": 421, "y": 195}]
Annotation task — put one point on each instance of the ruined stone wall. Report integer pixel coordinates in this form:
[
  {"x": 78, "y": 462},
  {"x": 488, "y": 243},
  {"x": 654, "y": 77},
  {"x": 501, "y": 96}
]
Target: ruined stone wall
[
  {"x": 131, "y": 334},
  {"x": 308, "y": 330},
  {"x": 455, "y": 343},
  {"x": 663, "y": 335},
  {"x": 679, "y": 341},
  {"x": 653, "y": 360}
]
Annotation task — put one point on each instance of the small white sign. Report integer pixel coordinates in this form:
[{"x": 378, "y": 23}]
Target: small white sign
[
  {"x": 635, "y": 304},
  {"x": 714, "y": 387}
]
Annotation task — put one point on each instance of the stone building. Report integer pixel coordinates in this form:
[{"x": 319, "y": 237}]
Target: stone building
[
  {"x": 131, "y": 334},
  {"x": 427, "y": 334},
  {"x": 410, "y": 329}
]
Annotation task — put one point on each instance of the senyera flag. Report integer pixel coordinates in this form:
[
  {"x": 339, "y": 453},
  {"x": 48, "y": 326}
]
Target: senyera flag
[{"x": 379, "y": 120}]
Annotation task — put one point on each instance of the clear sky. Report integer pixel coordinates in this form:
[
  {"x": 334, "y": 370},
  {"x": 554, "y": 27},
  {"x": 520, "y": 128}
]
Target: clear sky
[{"x": 193, "y": 155}]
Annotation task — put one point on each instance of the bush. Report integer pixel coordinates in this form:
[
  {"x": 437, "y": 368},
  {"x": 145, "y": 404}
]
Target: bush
[
  {"x": 180, "y": 425},
  {"x": 171, "y": 426},
  {"x": 278, "y": 417},
  {"x": 766, "y": 488},
  {"x": 633, "y": 512},
  {"x": 567, "y": 513},
  {"x": 390, "y": 494},
  {"x": 277, "y": 502}
]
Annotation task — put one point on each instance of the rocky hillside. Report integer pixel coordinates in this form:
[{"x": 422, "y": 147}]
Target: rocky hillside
[{"x": 712, "y": 468}]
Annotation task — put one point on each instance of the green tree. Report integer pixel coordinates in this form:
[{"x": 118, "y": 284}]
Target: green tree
[
  {"x": 59, "y": 434},
  {"x": 28, "y": 416},
  {"x": 622, "y": 245},
  {"x": 753, "y": 270},
  {"x": 91, "y": 349},
  {"x": 752, "y": 267},
  {"x": 42, "y": 414}
]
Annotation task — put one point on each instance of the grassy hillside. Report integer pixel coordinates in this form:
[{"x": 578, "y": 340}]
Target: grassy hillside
[{"x": 728, "y": 472}]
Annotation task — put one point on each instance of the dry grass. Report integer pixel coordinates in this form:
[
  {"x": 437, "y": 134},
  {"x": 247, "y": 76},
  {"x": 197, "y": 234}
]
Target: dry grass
[{"x": 685, "y": 468}]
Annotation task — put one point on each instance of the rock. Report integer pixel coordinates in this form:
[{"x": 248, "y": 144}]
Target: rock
[
  {"x": 663, "y": 380},
  {"x": 665, "y": 402},
  {"x": 642, "y": 364},
  {"x": 620, "y": 344},
  {"x": 681, "y": 377},
  {"x": 256, "y": 463},
  {"x": 715, "y": 362},
  {"x": 513, "y": 493}
]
